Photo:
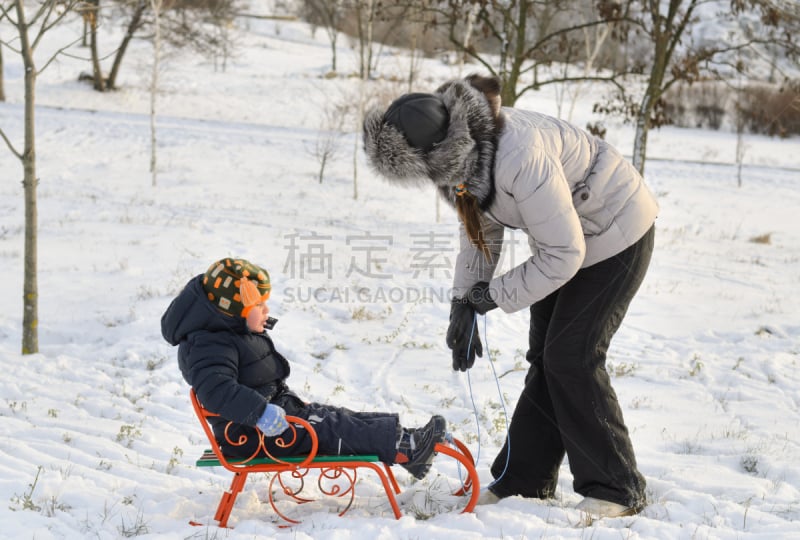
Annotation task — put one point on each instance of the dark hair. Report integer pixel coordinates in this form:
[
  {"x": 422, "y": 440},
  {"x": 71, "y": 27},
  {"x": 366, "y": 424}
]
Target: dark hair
[
  {"x": 466, "y": 204},
  {"x": 470, "y": 214},
  {"x": 490, "y": 87}
]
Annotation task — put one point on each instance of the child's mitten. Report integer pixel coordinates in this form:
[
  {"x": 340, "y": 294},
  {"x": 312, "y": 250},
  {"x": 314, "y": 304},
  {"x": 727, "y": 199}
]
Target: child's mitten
[{"x": 273, "y": 421}]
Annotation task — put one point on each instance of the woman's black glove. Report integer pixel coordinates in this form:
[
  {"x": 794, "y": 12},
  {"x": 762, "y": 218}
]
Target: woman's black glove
[
  {"x": 462, "y": 320},
  {"x": 480, "y": 299}
]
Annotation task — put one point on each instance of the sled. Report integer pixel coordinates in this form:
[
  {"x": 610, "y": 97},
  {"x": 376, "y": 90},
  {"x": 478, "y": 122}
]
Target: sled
[{"x": 336, "y": 475}]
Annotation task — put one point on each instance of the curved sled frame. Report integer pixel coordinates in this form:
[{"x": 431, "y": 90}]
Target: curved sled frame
[{"x": 331, "y": 468}]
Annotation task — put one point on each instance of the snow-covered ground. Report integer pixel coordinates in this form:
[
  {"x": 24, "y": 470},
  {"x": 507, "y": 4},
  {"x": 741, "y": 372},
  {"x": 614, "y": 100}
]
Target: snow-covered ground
[{"x": 97, "y": 436}]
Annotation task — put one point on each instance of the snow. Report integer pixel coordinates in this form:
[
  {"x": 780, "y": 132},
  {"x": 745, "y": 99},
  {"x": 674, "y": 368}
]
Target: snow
[{"x": 98, "y": 439}]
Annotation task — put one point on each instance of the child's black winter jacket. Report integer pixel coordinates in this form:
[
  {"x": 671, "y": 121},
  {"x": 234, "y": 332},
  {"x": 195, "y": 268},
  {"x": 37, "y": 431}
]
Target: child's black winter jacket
[{"x": 234, "y": 372}]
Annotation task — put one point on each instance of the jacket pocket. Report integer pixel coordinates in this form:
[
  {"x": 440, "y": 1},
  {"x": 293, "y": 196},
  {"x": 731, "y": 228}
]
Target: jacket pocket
[{"x": 590, "y": 208}]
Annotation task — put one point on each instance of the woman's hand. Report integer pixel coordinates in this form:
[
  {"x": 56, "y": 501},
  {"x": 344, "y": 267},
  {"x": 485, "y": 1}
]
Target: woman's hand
[
  {"x": 480, "y": 299},
  {"x": 462, "y": 335}
]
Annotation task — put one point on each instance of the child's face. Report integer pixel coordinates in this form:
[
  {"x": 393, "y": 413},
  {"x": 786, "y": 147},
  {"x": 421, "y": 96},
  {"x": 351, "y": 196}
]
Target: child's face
[{"x": 257, "y": 317}]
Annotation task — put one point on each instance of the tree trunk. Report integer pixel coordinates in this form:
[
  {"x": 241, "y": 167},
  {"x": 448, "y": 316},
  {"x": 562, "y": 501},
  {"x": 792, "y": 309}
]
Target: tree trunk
[
  {"x": 97, "y": 71},
  {"x": 661, "y": 36},
  {"x": 513, "y": 53},
  {"x": 362, "y": 72},
  {"x": 412, "y": 63},
  {"x": 30, "y": 289},
  {"x": 508, "y": 94},
  {"x": 156, "y": 5},
  {"x": 2, "y": 81},
  {"x": 333, "y": 39},
  {"x": 323, "y": 161},
  {"x": 462, "y": 56},
  {"x": 365, "y": 28},
  {"x": 362, "y": 97},
  {"x": 133, "y": 25},
  {"x": 370, "y": 30},
  {"x": 649, "y": 100},
  {"x": 640, "y": 137},
  {"x": 519, "y": 48}
]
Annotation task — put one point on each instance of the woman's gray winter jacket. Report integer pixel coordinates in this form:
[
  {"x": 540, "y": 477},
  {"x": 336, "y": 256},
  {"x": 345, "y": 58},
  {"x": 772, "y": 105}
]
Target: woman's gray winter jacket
[{"x": 574, "y": 196}]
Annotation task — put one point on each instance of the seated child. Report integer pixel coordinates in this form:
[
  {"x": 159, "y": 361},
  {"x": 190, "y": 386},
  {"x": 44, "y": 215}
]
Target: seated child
[{"x": 219, "y": 322}]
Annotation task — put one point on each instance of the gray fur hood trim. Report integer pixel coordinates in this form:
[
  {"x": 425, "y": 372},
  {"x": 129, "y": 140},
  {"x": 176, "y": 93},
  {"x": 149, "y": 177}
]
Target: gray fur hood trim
[{"x": 465, "y": 155}]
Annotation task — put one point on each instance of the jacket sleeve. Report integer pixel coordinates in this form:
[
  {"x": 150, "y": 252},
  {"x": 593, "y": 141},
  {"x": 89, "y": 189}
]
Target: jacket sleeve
[
  {"x": 213, "y": 371},
  {"x": 544, "y": 201},
  {"x": 471, "y": 265}
]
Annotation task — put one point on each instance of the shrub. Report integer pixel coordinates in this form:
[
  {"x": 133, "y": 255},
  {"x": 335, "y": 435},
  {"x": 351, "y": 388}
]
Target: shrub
[
  {"x": 770, "y": 109},
  {"x": 761, "y": 108},
  {"x": 700, "y": 105}
]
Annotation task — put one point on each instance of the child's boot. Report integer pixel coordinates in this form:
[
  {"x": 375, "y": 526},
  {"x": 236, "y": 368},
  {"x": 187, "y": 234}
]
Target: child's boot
[{"x": 415, "y": 446}]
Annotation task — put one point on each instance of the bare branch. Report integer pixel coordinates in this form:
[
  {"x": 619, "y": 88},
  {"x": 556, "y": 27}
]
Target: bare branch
[
  {"x": 5, "y": 13},
  {"x": 613, "y": 79},
  {"x": 471, "y": 53},
  {"x": 10, "y": 145},
  {"x": 44, "y": 8},
  {"x": 45, "y": 27},
  {"x": 56, "y": 54},
  {"x": 85, "y": 58},
  {"x": 10, "y": 47},
  {"x": 563, "y": 31},
  {"x": 680, "y": 29}
]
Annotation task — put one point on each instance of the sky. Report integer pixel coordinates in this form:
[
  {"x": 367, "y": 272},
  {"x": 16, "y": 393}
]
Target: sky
[{"x": 97, "y": 435}]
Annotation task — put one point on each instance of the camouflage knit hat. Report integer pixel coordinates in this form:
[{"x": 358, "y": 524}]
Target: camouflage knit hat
[{"x": 234, "y": 286}]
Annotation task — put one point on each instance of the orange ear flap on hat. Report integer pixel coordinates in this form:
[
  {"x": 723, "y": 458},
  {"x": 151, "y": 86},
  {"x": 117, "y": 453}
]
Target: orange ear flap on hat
[
  {"x": 248, "y": 292},
  {"x": 234, "y": 286}
]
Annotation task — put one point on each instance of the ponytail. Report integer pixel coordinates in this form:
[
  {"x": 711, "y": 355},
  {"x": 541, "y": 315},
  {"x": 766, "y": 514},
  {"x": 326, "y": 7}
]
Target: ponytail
[{"x": 470, "y": 214}]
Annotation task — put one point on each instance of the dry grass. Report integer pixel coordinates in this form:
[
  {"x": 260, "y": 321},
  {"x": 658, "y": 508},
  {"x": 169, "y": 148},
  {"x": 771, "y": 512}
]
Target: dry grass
[{"x": 762, "y": 239}]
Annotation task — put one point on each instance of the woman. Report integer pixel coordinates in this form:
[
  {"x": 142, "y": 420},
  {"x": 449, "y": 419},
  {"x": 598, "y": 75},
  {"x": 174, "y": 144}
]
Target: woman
[{"x": 589, "y": 220}]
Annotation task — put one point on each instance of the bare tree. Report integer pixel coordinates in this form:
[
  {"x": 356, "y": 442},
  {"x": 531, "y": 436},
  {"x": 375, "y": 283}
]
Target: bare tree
[
  {"x": 517, "y": 37},
  {"x": 200, "y": 25},
  {"x": 156, "y": 6},
  {"x": 328, "y": 14},
  {"x": 466, "y": 44},
  {"x": 594, "y": 39},
  {"x": 89, "y": 9},
  {"x": 31, "y": 26},
  {"x": 2, "y": 79},
  {"x": 366, "y": 13},
  {"x": 357, "y": 143},
  {"x": 414, "y": 53},
  {"x": 677, "y": 53},
  {"x": 135, "y": 13},
  {"x": 369, "y": 25},
  {"x": 329, "y": 136},
  {"x": 531, "y": 33}
]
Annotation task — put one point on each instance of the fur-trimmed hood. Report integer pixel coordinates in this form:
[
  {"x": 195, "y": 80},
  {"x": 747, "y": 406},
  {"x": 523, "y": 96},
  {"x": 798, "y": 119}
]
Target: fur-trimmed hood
[{"x": 465, "y": 155}]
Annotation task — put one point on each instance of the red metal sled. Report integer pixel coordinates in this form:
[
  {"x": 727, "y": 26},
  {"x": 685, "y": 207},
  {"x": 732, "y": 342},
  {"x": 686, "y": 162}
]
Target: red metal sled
[{"x": 340, "y": 471}]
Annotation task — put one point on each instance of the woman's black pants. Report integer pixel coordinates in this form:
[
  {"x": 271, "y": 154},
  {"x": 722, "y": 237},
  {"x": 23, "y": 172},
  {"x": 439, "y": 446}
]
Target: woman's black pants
[{"x": 568, "y": 404}]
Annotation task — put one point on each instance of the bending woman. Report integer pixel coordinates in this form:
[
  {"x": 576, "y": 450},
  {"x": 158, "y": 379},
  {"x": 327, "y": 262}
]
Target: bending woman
[{"x": 589, "y": 219}]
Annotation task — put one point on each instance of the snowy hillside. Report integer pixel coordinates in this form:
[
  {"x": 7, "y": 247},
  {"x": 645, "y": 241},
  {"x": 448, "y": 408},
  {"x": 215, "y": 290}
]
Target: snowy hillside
[{"x": 97, "y": 435}]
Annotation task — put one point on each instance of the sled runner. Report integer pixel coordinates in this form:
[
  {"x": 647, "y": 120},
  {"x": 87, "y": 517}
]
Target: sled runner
[{"x": 336, "y": 475}]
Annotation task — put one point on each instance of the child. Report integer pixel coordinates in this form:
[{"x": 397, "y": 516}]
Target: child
[{"x": 219, "y": 321}]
